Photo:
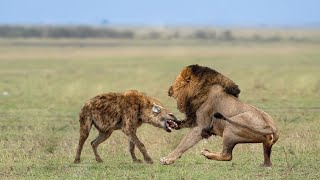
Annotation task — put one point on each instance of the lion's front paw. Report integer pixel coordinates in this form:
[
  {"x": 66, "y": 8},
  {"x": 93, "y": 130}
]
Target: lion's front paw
[{"x": 166, "y": 161}]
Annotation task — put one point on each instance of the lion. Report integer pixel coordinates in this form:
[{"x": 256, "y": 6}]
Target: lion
[
  {"x": 211, "y": 106},
  {"x": 126, "y": 111}
]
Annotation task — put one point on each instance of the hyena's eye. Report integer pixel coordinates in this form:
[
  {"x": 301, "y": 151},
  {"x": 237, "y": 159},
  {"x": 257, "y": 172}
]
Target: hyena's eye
[{"x": 156, "y": 109}]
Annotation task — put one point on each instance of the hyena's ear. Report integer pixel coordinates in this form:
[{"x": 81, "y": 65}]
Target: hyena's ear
[{"x": 156, "y": 109}]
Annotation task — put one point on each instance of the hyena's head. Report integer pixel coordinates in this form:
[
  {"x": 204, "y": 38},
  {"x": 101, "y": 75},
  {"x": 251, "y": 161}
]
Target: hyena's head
[{"x": 155, "y": 114}]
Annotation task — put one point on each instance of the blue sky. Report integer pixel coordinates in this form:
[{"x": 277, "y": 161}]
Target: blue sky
[{"x": 162, "y": 12}]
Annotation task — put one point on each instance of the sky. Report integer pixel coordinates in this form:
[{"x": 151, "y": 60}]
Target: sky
[{"x": 162, "y": 12}]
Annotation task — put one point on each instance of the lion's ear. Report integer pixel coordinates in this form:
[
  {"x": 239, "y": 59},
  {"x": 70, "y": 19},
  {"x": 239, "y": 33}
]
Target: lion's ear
[
  {"x": 187, "y": 79},
  {"x": 170, "y": 91},
  {"x": 186, "y": 75}
]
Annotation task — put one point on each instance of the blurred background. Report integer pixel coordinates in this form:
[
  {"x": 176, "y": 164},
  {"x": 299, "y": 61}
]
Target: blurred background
[
  {"x": 55, "y": 55},
  {"x": 207, "y": 20}
]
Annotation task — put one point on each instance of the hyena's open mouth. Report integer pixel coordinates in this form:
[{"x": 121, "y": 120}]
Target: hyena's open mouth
[{"x": 171, "y": 124}]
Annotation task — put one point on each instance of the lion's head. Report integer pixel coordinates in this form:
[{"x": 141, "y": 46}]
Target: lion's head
[{"x": 192, "y": 86}]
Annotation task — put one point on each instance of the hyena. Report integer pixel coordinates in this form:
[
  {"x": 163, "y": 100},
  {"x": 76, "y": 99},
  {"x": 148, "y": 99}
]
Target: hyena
[{"x": 126, "y": 111}]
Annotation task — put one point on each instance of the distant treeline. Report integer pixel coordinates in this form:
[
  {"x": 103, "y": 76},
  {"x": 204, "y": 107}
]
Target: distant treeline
[
  {"x": 62, "y": 32},
  {"x": 9, "y": 31}
]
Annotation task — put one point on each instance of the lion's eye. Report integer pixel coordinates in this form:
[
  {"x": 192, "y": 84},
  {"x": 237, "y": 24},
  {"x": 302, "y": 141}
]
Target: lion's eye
[{"x": 156, "y": 109}]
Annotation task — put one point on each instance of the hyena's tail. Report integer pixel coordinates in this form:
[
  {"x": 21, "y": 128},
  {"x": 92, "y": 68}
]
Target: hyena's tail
[
  {"x": 85, "y": 120},
  {"x": 85, "y": 126}
]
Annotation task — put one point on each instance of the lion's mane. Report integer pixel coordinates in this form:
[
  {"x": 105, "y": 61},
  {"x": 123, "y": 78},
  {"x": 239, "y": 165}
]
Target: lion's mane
[{"x": 192, "y": 85}]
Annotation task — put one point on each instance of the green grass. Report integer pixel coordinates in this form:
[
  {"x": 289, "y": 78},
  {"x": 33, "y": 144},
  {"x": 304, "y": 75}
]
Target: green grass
[{"x": 47, "y": 86}]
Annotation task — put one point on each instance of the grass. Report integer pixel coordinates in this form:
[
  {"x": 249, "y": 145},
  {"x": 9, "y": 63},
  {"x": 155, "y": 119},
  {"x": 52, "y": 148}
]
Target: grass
[{"x": 47, "y": 86}]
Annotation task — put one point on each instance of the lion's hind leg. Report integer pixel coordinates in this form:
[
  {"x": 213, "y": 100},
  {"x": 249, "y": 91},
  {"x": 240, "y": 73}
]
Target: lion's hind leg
[
  {"x": 267, "y": 155},
  {"x": 225, "y": 155},
  {"x": 215, "y": 156},
  {"x": 267, "y": 146},
  {"x": 271, "y": 139}
]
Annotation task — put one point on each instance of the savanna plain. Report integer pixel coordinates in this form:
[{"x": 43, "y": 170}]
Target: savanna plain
[{"x": 45, "y": 82}]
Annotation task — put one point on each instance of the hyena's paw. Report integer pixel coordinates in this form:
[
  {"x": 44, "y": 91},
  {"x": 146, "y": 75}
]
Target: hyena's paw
[
  {"x": 76, "y": 161},
  {"x": 149, "y": 161},
  {"x": 99, "y": 160},
  {"x": 139, "y": 161}
]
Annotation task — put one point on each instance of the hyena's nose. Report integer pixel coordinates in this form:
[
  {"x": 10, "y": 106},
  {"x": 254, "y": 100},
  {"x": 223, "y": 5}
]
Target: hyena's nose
[{"x": 171, "y": 115}]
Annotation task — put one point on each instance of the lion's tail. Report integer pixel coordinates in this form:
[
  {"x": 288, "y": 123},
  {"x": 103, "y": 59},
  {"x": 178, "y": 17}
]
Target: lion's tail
[{"x": 220, "y": 116}]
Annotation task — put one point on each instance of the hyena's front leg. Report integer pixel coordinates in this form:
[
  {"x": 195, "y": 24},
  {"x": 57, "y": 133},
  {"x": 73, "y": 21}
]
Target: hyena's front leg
[
  {"x": 133, "y": 137},
  {"x": 132, "y": 149},
  {"x": 130, "y": 130},
  {"x": 132, "y": 153}
]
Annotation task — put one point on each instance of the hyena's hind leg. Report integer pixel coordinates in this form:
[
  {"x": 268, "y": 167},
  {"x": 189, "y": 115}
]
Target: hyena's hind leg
[
  {"x": 85, "y": 126},
  {"x": 95, "y": 143},
  {"x": 132, "y": 152}
]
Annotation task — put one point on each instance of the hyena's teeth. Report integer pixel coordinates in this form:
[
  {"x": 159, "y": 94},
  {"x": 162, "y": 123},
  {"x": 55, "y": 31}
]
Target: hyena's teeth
[
  {"x": 172, "y": 124},
  {"x": 175, "y": 124}
]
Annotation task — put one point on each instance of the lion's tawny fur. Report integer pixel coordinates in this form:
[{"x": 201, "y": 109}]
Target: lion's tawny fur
[
  {"x": 192, "y": 85},
  {"x": 201, "y": 92}
]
